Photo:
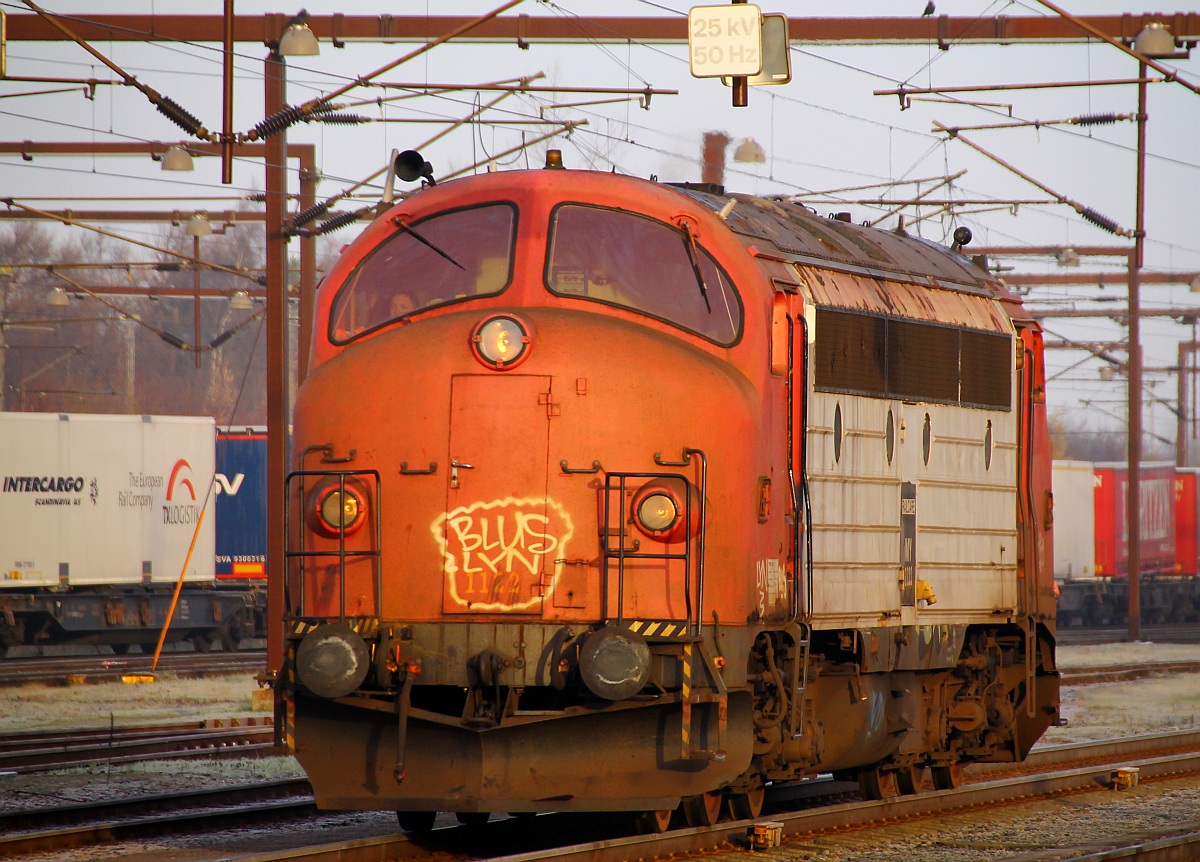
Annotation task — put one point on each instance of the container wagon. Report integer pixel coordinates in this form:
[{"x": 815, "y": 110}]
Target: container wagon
[{"x": 100, "y": 517}]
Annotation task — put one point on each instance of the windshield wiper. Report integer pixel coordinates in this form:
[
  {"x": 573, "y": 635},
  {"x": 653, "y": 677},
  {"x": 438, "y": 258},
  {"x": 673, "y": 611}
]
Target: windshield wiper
[
  {"x": 408, "y": 230},
  {"x": 690, "y": 244}
]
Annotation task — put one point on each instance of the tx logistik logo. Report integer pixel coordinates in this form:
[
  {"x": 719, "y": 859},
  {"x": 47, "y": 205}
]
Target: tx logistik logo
[{"x": 180, "y": 513}]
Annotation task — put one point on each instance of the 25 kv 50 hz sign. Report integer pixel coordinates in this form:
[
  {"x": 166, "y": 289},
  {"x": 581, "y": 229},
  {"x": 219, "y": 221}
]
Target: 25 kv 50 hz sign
[{"x": 725, "y": 40}]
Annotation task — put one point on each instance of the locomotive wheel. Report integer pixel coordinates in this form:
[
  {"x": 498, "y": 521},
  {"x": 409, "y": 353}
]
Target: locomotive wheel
[
  {"x": 703, "y": 809},
  {"x": 875, "y": 784},
  {"x": 472, "y": 818},
  {"x": 909, "y": 779},
  {"x": 652, "y": 822},
  {"x": 748, "y": 805},
  {"x": 947, "y": 777},
  {"x": 121, "y": 649},
  {"x": 419, "y": 822}
]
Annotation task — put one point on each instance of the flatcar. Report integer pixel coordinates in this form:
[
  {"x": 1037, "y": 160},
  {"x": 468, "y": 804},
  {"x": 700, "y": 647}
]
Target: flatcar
[{"x": 616, "y": 495}]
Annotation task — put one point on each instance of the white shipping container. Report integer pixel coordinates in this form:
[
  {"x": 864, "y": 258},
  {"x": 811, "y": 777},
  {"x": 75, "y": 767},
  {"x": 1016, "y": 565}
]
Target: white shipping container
[
  {"x": 1074, "y": 520},
  {"x": 99, "y": 499}
]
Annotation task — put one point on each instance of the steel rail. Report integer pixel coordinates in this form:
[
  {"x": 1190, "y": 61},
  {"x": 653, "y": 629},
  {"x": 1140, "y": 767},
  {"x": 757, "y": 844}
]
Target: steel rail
[
  {"x": 1126, "y": 672},
  {"x": 1172, "y": 844},
  {"x": 57, "y": 816},
  {"x": 173, "y": 823},
  {"x": 221, "y": 742},
  {"x": 1158, "y": 632},
  {"x": 832, "y": 818},
  {"x": 89, "y": 669}
]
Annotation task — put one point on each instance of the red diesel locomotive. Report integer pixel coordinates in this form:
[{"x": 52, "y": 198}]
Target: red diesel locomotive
[{"x": 616, "y": 495}]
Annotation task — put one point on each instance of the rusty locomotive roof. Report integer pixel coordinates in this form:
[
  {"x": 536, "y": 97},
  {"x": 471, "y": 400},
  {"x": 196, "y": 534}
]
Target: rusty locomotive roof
[{"x": 797, "y": 235}]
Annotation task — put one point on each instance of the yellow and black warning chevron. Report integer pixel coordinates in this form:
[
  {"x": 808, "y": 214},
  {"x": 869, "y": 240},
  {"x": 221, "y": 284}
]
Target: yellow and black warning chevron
[
  {"x": 661, "y": 630},
  {"x": 367, "y": 627}
]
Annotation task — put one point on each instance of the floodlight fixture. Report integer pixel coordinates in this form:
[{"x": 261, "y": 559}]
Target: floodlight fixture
[
  {"x": 1068, "y": 257},
  {"x": 58, "y": 298},
  {"x": 176, "y": 158},
  {"x": 750, "y": 150},
  {"x": 199, "y": 225},
  {"x": 298, "y": 40},
  {"x": 1155, "y": 41}
]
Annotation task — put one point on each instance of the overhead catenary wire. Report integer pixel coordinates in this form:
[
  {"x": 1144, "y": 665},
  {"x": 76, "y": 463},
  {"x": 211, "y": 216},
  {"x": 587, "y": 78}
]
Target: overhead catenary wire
[
  {"x": 292, "y": 114},
  {"x": 75, "y": 223},
  {"x": 169, "y": 338},
  {"x": 166, "y": 106},
  {"x": 1089, "y": 214},
  {"x": 322, "y": 207}
]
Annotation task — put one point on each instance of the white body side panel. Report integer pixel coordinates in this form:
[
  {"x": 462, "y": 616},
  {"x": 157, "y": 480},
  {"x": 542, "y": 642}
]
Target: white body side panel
[
  {"x": 98, "y": 499},
  {"x": 966, "y": 539},
  {"x": 1074, "y": 521}
]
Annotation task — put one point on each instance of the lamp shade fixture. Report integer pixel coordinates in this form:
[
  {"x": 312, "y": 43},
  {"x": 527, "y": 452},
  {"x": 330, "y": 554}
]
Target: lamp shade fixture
[
  {"x": 299, "y": 41},
  {"x": 177, "y": 159}
]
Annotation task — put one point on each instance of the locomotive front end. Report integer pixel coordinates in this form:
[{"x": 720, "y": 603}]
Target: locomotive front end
[{"x": 520, "y": 419}]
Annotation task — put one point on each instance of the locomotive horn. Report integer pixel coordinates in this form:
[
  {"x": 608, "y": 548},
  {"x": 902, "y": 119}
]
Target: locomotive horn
[
  {"x": 410, "y": 166},
  {"x": 389, "y": 186},
  {"x": 614, "y": 663}
]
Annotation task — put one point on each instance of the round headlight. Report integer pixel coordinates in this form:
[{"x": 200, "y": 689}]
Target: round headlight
[
  {"x": 657, "y": 512},
  {"x": 340, "y": 509},
  {"x": 501, "y": 342},
  {"x": 336, "y": 508}
]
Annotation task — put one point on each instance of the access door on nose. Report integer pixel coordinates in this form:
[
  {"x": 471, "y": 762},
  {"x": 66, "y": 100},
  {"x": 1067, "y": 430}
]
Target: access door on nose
[{"x": 499, "y": 533}]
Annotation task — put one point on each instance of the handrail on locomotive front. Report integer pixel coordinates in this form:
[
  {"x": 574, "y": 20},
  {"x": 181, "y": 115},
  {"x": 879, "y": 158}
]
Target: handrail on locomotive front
[
  {"x": 294, "y": 610},
  {"x": 694, "y": 609}
]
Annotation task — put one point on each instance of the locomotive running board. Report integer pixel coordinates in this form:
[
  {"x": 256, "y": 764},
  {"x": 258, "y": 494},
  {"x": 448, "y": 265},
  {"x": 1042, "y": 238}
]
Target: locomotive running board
[{"x": 690, "y": 696}]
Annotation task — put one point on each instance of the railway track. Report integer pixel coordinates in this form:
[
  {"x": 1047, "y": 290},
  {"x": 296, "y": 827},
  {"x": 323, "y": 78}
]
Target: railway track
[
  {"x": 1158, "y": 633},
  {"x": 1126, "y": 672},
  {"x": 1052, "y": 771},
  {"x": 34, "y": 751},
  {"x": 38, "y": 751},
  {"x": 65, "y": 670}
]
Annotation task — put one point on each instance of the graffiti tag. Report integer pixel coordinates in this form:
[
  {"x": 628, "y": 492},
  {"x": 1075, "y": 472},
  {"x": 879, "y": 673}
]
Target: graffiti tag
[{"x": 497, "y": 552}]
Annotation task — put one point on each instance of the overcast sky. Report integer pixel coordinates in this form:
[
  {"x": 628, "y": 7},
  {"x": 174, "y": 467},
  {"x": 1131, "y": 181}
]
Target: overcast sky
[{"x": 825, "y": 130}]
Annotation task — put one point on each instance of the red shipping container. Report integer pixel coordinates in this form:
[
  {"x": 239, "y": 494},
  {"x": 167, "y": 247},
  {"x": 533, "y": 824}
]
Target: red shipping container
[
  {"x": 1157, "y": 521},
  {"x": 1187, "y": 522}
]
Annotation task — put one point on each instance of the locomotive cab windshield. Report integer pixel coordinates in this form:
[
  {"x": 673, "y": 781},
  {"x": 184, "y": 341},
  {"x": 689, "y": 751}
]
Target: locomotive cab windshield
[
  {"x": 446, "y": 258},
  {"x": 627, "y": 260}
]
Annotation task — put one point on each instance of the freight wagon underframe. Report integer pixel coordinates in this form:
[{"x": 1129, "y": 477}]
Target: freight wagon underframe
[
  {"x": 123, "y": 618},
  {"x": 1105, "y": 601}
]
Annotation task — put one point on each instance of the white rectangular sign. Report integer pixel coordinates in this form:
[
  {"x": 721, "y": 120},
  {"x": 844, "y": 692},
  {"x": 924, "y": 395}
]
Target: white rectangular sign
[{"x": 725, "y": 40}]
